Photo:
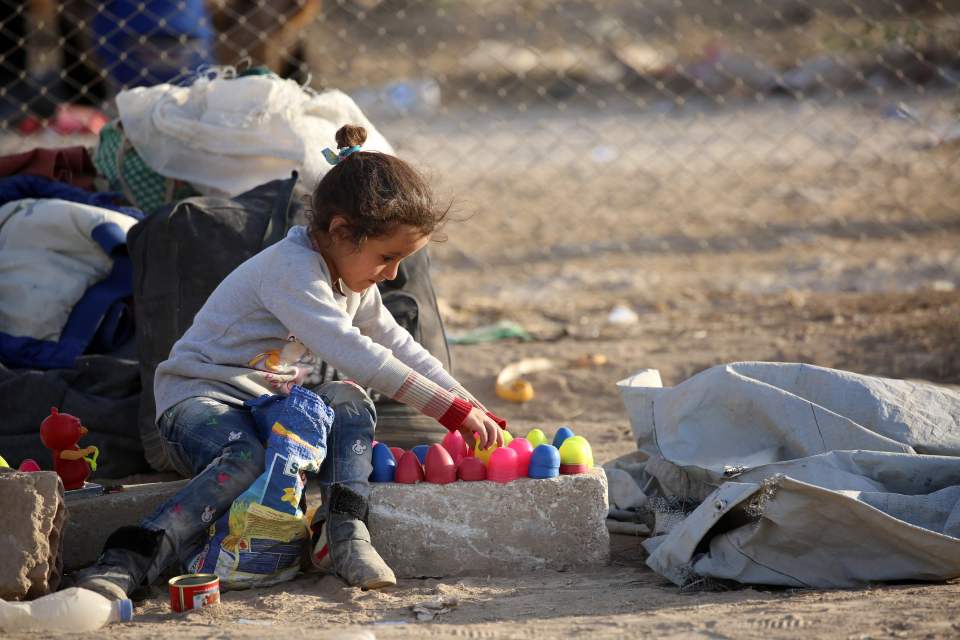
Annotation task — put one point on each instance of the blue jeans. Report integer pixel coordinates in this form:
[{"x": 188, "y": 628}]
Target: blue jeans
[{"x": 217, "y": 444}]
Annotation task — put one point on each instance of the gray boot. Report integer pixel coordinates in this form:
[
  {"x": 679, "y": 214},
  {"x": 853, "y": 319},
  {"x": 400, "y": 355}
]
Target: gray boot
[
  {"x": 127, "y": 558},
  {"x": 353, "y": 556}
]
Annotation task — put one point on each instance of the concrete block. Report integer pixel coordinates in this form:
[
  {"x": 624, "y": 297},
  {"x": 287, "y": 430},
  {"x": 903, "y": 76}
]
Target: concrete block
[
  {"x": 93, "y": 519},
  {"x": 486, "y": 528},
  {"x": 34, "y": 512},
  {"x": 464, "y": 528}
]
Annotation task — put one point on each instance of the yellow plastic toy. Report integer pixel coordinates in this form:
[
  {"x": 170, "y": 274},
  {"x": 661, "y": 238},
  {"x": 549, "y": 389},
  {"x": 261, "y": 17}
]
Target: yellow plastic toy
[
  {"x": 586, "y": 447},
  {"x": 484, "y": 454},
  {"x": 515, "y": 391},
  {"x": 575, "y": 455},
  {"x": 3, "y": 463},
  {"x": 536, "y": 437}
]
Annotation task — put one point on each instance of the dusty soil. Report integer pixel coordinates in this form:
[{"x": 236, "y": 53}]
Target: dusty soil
[
  {"x": 842, "y": 254},
  {"x": 820, "y": 231}
]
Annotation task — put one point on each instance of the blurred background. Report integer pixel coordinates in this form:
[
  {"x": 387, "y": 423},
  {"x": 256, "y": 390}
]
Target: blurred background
[{"x": 663, "y": 183}]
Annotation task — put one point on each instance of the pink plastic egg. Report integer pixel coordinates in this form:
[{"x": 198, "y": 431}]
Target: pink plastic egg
[
  {"x": 502, "y": 466},
  {"x": 408, "y": 470},
  {"x": 439, "y": 466},
  {"x": 471, "y": 469},
  {"x": 455, "y": 445},
  {"x": 524, "y": 450}
]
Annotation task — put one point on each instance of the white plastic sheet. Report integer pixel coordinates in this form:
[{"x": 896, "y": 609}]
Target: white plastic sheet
[{"x": 806, "y": 476}]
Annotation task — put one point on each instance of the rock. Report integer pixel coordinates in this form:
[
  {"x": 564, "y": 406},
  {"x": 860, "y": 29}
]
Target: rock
[
  {"x": 31, "y": 562},
  {"x": 93, "y": 519},
  {"x": 487, "y": 528},
  {"x": 624, "y": 492}
]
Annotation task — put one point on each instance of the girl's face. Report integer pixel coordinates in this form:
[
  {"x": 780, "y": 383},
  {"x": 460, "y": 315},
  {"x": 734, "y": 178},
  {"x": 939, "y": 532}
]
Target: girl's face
[{"x": 377, "y": 258}]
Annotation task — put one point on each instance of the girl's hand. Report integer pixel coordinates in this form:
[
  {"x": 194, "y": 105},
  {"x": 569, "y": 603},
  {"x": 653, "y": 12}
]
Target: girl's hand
[{"x": 477, "y": 425}]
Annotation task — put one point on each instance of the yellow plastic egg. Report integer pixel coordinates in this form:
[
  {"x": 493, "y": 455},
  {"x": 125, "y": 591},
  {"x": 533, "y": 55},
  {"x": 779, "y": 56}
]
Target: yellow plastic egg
[
  {"x": 536, "y": 437},
  {"x": 575, "y": 450}
]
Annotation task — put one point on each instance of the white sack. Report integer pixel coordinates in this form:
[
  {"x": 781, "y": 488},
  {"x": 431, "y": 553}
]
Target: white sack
[
  {"x": 806, "y": 476},
  {"x": 48, "y": 259},
  {"x": 226, "y": 136}
]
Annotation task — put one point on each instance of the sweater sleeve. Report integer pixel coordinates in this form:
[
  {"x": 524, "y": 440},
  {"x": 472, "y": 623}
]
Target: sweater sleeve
[
  {"x": 306, "y": 306},
  {"x": 376, "y": 321}
]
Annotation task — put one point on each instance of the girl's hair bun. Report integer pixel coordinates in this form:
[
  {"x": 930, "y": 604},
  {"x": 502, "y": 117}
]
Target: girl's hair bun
[{"x": 351, "y": 135}]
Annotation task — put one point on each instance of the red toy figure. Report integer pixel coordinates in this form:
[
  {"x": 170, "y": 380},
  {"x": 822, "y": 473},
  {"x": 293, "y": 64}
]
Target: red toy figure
[{"x": 60, "y": 433}]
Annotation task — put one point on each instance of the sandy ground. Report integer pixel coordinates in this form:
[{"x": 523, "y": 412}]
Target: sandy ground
[{"x": 826, "y": 235}]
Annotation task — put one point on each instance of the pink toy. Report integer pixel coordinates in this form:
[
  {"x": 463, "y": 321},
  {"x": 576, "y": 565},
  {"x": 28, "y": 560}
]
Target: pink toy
[
  {"x": 471, "y": 469},
  {"x": 409, "y": 470},
  {"x": 503, "y": 465},
  {"x": 524, "y": 450},
  {"x": 439, "y": 465},
  {"x": 456, "y": 446},
  {"x": 29, "y": 466}
]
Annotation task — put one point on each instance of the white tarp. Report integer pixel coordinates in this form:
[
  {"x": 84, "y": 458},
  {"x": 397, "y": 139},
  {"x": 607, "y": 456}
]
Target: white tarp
[{"x": 805, "y": 476}]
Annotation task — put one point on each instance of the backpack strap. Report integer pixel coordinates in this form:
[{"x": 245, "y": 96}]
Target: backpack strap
[{"x": 280, "y": 217}]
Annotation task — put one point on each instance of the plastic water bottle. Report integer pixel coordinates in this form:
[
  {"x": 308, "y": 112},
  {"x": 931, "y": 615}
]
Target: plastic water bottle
[{"x": 72, "y": 609}]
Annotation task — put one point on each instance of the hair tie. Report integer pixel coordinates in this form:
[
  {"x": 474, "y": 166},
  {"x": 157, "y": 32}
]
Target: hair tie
[{"x": 334, "y": 158}]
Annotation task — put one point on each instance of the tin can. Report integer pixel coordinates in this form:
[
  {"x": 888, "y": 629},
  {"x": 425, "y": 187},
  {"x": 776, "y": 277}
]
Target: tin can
[{"x": 194, "y": 590}]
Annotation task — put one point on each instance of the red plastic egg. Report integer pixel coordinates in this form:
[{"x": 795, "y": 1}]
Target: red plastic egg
[
  {"x": 439, "y": 465},
  {"x": 397, "y": 453},
  {"x": 502, "y": 466},
  {"x": 455, "y": 445},
  {"x": 524, "y": 450},
  {"x": 471, "y": 469},
  {"x": 409, "y": 470}
]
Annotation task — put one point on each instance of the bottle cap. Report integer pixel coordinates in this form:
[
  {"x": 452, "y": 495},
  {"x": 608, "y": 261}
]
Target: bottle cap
[
  {"x": 544, "y": 462},
  {"x": 471, "y": 469},
  {"x": 536, "y": 437},
  {"x": 421, "y": 452},
  {"x": 524, "y": 450},
  {"x": 124, "y": 610},
  {"x": 503, "y": 465},
  {"x": 409, "y": 470},
  {"x": 384, "y": 466},
  {"x": 562, "y": 434},
  {"x": 439, "y": 467}
]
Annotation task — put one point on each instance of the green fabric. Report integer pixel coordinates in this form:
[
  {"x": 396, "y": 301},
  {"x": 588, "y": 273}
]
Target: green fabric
[{"x": 142, "y": 186}]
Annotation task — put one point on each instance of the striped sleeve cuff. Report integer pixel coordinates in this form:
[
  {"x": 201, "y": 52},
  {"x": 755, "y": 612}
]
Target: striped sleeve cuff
[{"x": 432, "y": 400}]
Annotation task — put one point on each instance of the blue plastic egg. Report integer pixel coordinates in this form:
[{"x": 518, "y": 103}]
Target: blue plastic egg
[
  {"x": 562, "y": 434},
  {"x": 421, "y": 452},
  {"x": 384, "y": 466},
  {"x": 544, "y": 462}
]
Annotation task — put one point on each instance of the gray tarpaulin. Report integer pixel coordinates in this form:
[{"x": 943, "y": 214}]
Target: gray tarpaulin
[{"x": 805, "y": 476}]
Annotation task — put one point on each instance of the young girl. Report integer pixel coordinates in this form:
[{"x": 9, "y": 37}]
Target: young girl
[{"x": 315, "y": 291}]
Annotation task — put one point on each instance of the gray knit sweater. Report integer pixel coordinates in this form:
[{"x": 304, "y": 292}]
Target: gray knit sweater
[{"x": 277, "y": 308}]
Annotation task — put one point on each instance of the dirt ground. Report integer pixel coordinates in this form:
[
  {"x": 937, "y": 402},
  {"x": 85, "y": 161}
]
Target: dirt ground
[
  {"x": 823, "y": 230},
  {"x": 826, "y": 235}
]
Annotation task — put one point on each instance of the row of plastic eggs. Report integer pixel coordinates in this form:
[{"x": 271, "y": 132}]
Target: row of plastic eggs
[{"x": 532, "y": 456}]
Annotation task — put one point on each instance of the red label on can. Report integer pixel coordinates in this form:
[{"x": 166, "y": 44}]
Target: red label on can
[{"x": 193, "y": 591}]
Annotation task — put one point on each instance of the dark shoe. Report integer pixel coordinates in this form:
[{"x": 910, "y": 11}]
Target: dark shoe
[
  {"x": 348, "y": 542},
  {"x": 124, "y": 563}
]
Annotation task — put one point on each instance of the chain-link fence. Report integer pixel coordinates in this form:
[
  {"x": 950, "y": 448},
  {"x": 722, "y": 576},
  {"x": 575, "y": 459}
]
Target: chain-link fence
[{"x": 814, "y": 143}]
